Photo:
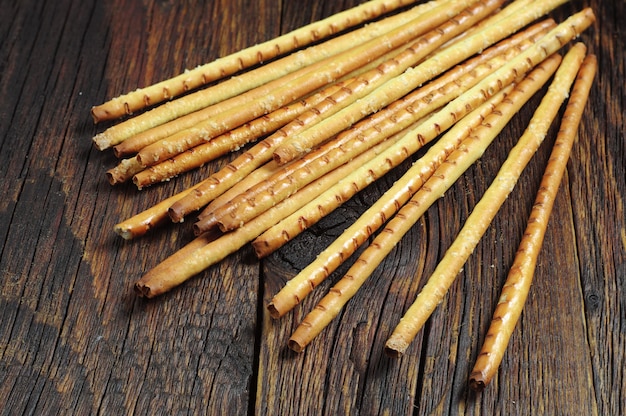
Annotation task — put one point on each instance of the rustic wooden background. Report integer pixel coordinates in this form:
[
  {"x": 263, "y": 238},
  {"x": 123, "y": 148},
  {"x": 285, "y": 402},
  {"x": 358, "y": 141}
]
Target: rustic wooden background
[{"x": 74, "y": 339}]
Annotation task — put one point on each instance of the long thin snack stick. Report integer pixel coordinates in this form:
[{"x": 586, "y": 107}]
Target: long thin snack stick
[
  {"x": 421, "y": 102},
  {"x": 185, "y": 251},
  {"x": 519, "y": 279},
  {"x": 425, "y": 182},
  {"x": 469, "y": 151},
  {"x": 136, "y": 100},
  {"x": 345, "y": 189},
  {"x": 505, "y": 25},
  {"x": 185, "y": 161},
  {"x": 141, "y": 223},
  {"x": 485, "y": 210},
  {"x": 220, "y": 181},
  {"x": 327, "y": 71},
  {"x": 165, "y": 277}
]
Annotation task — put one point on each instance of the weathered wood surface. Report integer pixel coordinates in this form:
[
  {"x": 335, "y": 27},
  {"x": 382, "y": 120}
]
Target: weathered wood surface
[{"x": 74, "y": 339}]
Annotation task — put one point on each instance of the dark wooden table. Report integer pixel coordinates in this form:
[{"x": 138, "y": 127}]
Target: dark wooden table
[{"x": 74, "y": 338}]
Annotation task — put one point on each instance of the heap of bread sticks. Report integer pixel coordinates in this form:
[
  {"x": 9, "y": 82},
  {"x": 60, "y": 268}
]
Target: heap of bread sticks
[{"x": 313, "y": 125}]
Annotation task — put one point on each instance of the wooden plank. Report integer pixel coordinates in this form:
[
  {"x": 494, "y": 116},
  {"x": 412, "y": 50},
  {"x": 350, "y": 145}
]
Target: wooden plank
[{"x": 74, "y": 339}]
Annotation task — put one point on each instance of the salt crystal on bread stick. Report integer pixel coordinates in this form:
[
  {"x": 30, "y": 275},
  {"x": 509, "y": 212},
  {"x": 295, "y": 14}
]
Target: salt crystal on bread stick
[
  {"x": 475, "y": 138},
  {"x": 392, "y": 119},
  {"x": 170, "y": 274},
  {"x": 456, "y": 109},
  {"x": 222, "y": 67},
  {"x": 124, "y": 170},
  {"x": 520, "y": 277},
  {"x": 485, "y": 210}
]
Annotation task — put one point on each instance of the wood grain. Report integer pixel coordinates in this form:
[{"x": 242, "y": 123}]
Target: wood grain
[{"x": 74, "y": 339}]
